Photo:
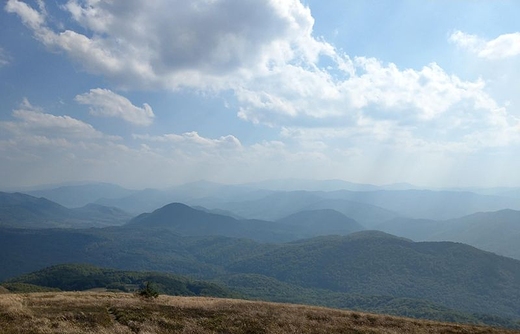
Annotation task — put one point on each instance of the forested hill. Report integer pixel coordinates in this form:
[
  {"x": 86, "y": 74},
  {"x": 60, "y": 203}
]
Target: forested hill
[
  {"x": 451, "y": 275},
  {"x": 81, "y": 277}
]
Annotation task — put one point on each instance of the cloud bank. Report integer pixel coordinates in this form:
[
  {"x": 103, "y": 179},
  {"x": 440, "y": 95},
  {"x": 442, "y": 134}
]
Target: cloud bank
[{"x": 326, "y": 104}]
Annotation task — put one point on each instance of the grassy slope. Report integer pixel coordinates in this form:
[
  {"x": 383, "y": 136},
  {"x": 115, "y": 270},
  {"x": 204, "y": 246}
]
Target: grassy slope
[
  {"x": 81, "y": 277},
  {"x": 75, "y": 312}
]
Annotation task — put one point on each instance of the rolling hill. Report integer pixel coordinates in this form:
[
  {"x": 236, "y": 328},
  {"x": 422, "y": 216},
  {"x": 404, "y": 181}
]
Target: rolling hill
[
  {"x": 81, "y": 277},
  {"x": 185, "y": 220},
  {"x": 497, "y": 231},
  {"x": 25, "y": 211},
  {"x": 449, "y": 275},
  {"x": 188, "y": 221}
]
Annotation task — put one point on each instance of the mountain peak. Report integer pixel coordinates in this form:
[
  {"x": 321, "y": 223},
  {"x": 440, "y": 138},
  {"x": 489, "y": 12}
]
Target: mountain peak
[{"x": 175, "y": 215}]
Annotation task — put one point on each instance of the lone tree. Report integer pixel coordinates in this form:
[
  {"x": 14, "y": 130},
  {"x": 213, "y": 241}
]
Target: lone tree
[{"x": 148, "y": 291}]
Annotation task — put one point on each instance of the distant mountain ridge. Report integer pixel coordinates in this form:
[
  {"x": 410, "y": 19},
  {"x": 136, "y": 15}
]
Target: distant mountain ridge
[
  {"x": 185, "y": 220},
  {"x": 25, "y": 211},
  {"x": 497, "y": 231},
  {"x": 278, "y": 205},
  {"x": 428, "y": 204},
  {"x": 375, "y": 204},
  {"x": 73, "y": 196}
]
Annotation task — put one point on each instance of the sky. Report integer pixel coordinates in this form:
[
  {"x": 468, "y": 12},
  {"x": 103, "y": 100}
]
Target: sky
[{"x": 158, "y": 93}]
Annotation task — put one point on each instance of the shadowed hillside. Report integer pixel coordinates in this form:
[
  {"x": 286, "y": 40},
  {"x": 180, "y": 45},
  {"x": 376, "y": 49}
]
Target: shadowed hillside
[
  {"x": 450, "y": 275},
  {"x": 374, "y": 263}
]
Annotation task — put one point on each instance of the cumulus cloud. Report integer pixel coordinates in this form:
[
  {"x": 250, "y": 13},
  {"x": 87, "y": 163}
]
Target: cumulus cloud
[
  {"x": 36, "y": 144},
  {"x": 407, "y": 94},
  {"x": 194, "y": 139},
  {"x": 425, "y": 109},
  {"x": 264, "y": 52},
  {"x": 33, "y": 121},
  {"x": 177, "y": 43},
  {"x": 504, "y": 46},
  {"x": 105, "y": 103},
  {"x": 31, "y": 17}
]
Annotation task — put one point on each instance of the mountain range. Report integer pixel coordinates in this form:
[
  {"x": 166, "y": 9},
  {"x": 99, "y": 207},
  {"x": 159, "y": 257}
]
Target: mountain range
[
  {"x": 497, "y": 231},
  {"x": 291, "y": 216},
  {"x": 250, "y": 200},
  {"x": 317, "y": 246},
  {"x": 25, "y": 211},
  {"x": 367, "y": 263}
]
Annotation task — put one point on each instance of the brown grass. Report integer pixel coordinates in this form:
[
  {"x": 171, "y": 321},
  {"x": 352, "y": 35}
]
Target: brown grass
[{"x": 91, "y": 312}]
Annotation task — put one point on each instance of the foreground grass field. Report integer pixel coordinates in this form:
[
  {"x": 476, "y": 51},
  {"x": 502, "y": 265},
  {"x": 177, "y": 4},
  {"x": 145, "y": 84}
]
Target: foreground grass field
[{"x": 91, "y": 312}]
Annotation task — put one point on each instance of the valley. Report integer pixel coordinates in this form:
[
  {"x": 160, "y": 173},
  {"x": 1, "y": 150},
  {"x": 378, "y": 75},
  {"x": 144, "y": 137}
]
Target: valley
[{"x": 305, "y": 247}]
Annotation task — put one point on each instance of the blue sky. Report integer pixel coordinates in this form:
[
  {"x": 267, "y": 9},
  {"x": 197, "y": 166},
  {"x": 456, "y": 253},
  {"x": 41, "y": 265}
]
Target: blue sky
[{"x": 151, "y": 94}]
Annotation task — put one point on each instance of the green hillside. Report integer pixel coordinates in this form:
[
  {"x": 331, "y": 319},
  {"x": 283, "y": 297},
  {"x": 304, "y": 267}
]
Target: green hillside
[
  {"x": 368, "y": 264},
  {"x": 80, "y": 277},
  {"x": 373, "y": 263}
]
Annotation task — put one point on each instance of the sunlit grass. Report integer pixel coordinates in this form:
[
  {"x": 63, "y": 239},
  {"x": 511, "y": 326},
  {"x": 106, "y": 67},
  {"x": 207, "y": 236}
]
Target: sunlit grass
[{"x": 90, "y": 312}]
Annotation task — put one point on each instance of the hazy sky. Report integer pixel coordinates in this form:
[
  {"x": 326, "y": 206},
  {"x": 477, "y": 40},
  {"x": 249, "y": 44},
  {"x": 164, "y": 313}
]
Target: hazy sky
[{"x": 155, "y": 93}]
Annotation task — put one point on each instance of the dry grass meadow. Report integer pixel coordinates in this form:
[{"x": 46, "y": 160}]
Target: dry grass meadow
[{"x": 92, "y": 312}]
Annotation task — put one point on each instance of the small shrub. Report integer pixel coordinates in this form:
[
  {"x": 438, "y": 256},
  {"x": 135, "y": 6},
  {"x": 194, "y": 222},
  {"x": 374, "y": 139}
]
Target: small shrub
[{"x": 148, "y": 291}]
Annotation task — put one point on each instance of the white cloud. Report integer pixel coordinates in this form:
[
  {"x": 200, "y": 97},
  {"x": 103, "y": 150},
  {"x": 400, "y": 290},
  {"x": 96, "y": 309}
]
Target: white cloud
[
  {"x": 194, "y": 139},
  {"x": 30, "y": 17},
  {"x": 38, "y": 147},
  {"x": 426, "y": 109},
  {"x": 173, "y": 44},
  {"x": 32, "y": 121},
  {"x": 407, "y": 94},
  {"x": 504, "y": 46},
  {"x": 106, "y": 103},
  {"x": 261, "y": 50},
  {"x": 265, "y": 53}
]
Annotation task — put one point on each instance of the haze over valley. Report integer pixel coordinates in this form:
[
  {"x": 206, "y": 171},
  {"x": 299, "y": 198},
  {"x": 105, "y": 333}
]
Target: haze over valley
[
  {"x": 356, "y": 155},
  {"x": 355, "y": 249}
]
